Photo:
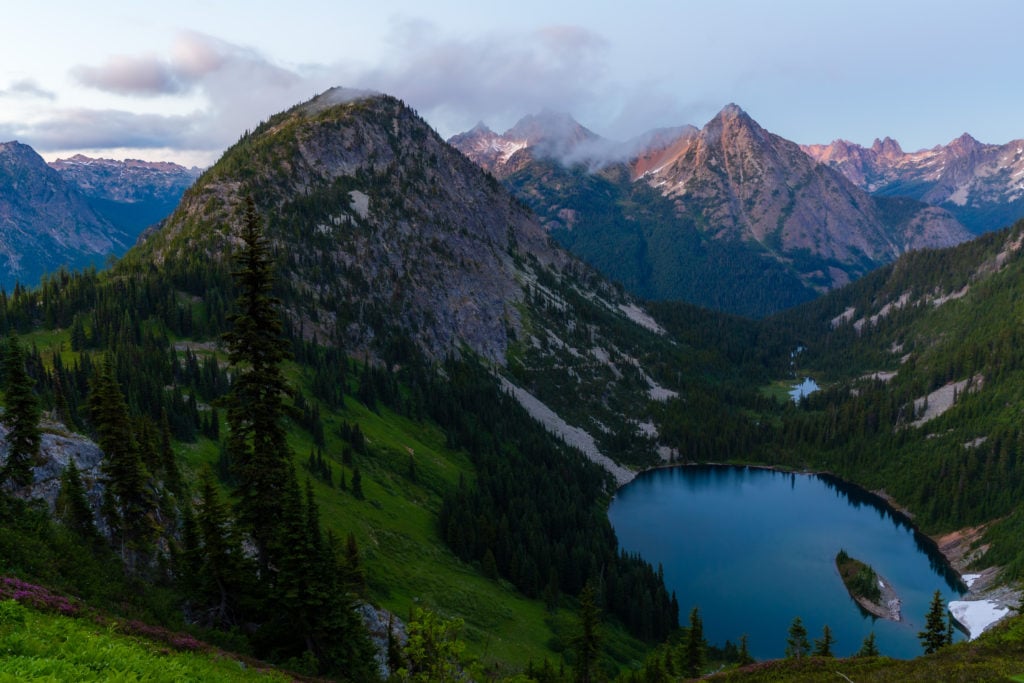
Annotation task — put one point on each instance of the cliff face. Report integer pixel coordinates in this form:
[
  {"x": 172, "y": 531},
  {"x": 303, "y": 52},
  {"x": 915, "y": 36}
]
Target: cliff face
[
  {"x": 748, "y": 184},
  {"x": 57, "y": 450}
]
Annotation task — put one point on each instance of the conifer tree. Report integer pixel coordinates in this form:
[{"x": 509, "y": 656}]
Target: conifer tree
[
  {"x": 587, "y": 642},
  {"x": 20, "y": 417},
  {"x": 221, "y": 563},
  {"x": 868, "y": 647},
  {"x": 256, "y": 445},
  {"x": 933, "y": 636},
  {"x": 744, "y": 653},
  {"x": 796, "y": 641},
  {"x": 72, "y": 506},
  {"x": 168, "y": 461},
  {"x": 694, "y": 646},
  {"x": 128, "y": 501},
  {"x": 823, "y": 645}
]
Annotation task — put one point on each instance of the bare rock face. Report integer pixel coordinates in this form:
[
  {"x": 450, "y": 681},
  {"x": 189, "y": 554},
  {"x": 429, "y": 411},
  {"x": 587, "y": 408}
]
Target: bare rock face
[
  {"x": 378, "y": 222},
  {"x": 981, "y": 184},
  {"x": 45, "y": 222},
  {"x": 748, "y": 184},
  {"x": 129, "y": 181},
  {"x": 57, "y": 450},
  {"x": 752, "y": 193}
]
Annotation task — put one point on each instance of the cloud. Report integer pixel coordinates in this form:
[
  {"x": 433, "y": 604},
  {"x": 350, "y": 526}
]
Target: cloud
[
  {"x": 126, "y": 75},
  {"x": 452, "y": 80},
  {"x": 102, "y": 129},
  {"x": 461, "y": 80},
  {"x": 195, "y": 60},
  {"x": 27, "y": 88}
]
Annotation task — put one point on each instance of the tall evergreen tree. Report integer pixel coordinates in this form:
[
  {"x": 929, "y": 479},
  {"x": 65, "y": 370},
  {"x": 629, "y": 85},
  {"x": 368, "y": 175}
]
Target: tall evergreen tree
[
  {"x": 933, "y": 636},
  {"x": 129, "y": 501},
  {"x": 256, "y": 445},
  {"x": 20, "y": 417},
  {"x": 694, "y": 646},
  {"x": 72, "y": 506},
  {"x": 221, "y": 575},
  {"x": 587, "y": 643},
  {"x": 868, "y": 648},
  {"x": 823, "y": 645},
  {"x": 744, "y": 654},
  {"x": 796, "y": 641}
]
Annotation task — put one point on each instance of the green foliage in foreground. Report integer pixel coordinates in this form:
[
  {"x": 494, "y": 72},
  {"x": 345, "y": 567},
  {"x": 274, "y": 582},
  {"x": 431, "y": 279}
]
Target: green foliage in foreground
[
  {"x": 998, "y": 655},
  {"x": 43, "y": 647}
]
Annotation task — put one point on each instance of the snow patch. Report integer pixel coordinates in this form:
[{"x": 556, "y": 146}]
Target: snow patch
[
  {"x": 881, "y": 375},
  {"x": 641, "y": 318},
  {"x": 360, "y": 203},
  {"x": 942, "y": 399},
  {"x": 969, "y": 579},
  {"x": 950, "y": 297},
  {"x": 844, "y": 317},
  {"x": 977, "y": 615},
  {"x": 573, "y": 436}
]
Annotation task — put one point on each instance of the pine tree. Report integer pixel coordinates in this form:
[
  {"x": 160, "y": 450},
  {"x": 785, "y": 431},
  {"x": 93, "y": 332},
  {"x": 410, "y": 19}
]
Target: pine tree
[
  {"x": 128, "y": 502},
  {"x": 797, "y": 646},
  {"x": 933, "y": 636},
  {"x": 823, "y": 645},
  {"x": 168, "y": 461},
  {"x": 949, "y": 628},
  {"x": 20, "y": 417},
  {"x": 221, "y": 572},
  {"x": 256, "y": 445},
  {"x": 744, "y": 654},
  {"x": 868, "y": 647},
  {"x": 72, "y": 506},
  {"x": 694, "y": 646},
  {"x": 587, "y": 642},
  {"x": 357, "y": 484}
]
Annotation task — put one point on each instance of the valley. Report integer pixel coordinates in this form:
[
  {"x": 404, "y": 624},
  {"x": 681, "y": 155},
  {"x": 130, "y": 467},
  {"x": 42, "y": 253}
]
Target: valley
[{"x": 463, "y": 402}]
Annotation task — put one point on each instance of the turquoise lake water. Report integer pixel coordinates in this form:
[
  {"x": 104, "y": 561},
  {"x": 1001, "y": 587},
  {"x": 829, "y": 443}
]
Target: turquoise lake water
[{"x": 754, "y": 548}]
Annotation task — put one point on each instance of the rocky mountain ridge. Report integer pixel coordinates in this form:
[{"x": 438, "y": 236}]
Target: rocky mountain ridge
[
  {"x": 385, "y": 232},
  {"x": 982, "y": 184},
  {"x": 132, "y": 194},
  {"x": 731, "y": 193},
  {"x": 128, "y": 181},
  {"x": 45, "y": 222}
]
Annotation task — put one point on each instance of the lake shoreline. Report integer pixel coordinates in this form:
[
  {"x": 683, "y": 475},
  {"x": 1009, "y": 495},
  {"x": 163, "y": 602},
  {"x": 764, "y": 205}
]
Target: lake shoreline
[
  {"x": 757, "y": 495},
  {"x": 985, "y": 594}
]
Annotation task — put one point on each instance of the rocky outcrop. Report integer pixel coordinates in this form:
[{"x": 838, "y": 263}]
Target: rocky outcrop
[{"x": 57, "y": 449}]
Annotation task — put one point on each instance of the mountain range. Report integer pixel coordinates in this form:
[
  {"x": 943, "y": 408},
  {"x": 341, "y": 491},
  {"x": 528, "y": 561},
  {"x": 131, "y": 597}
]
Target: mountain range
[
  {"x": 77, "y": 212},
  {"x": 653, "y": 213},
  {"x": 45, "y": 222},
  {"x": 131, "y": 194},
  {"x": 981, "y": 184}
]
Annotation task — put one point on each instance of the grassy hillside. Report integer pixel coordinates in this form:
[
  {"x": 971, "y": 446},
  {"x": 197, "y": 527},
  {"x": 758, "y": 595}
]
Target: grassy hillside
[{"x": 43, "y": 646}]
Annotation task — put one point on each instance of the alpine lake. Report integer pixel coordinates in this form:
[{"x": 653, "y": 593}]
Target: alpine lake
[{"x": 753, "y": 548}]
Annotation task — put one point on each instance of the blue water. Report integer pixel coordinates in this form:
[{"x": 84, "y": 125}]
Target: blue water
[{"x": 754, "y": 548}]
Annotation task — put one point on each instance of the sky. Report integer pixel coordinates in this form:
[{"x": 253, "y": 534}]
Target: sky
[{"x": 182, "y": 80}]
